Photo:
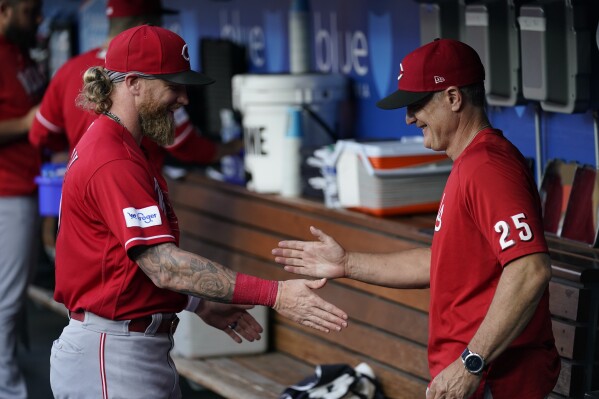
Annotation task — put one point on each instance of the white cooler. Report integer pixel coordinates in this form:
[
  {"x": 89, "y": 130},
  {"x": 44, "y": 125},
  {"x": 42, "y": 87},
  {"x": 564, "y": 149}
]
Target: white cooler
[
  {"x": 194, "y": 338},
  {"x": 390, "y": 177}
]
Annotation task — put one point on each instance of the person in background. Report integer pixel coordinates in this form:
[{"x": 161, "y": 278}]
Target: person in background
[
  {"x": 21, "y": 88},
  {"x": 488, "y": 268},
  {"x": 59, "y": 124},
  {"x": 119, "y": 269}
]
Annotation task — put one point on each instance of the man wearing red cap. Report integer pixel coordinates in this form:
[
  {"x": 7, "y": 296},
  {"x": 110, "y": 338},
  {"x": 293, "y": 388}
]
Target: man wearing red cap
[
  {"x": 21, "y": 87},
  {"x": 488, "y": 268},
  {"x": 119, "y": 270}
]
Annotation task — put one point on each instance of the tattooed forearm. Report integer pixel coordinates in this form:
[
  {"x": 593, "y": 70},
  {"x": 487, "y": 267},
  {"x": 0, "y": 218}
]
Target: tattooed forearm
[
  {"x": 211, "y": 278},
  {"x": 172, "y": 268}
]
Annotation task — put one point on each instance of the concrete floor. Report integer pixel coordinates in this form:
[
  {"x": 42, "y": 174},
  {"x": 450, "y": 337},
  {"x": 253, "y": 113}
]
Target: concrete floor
[{"x": 43, "y": 327}]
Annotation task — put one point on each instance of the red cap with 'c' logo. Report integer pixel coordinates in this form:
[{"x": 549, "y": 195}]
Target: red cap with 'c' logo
[{"x": 153, "y": 50}]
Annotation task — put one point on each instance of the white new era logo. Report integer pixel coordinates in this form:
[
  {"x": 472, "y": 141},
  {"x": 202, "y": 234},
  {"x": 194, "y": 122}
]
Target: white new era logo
[
  {"x": 439, "y": 79},
  {"x": 400, "y": 71}
]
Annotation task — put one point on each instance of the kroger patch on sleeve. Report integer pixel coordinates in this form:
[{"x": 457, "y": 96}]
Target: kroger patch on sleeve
[{"x": 145, "y": 217}]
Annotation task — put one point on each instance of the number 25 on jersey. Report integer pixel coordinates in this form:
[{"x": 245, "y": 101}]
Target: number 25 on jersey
[{"x": 522, "y": 229}]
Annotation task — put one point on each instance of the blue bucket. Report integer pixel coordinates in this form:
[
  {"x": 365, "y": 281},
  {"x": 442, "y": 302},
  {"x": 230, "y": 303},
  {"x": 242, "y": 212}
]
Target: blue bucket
[{"x": 50, "y": 188}]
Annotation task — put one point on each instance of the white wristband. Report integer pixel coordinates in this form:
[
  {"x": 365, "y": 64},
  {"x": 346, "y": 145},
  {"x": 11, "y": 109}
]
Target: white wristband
[{"x": 192, "y": 303}]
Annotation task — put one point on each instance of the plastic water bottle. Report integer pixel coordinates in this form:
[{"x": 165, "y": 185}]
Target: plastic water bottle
[
  {"x": 300, "y": 50},
  {"x": 291, "y": 185},
  {"x": 232, "y": 166}
]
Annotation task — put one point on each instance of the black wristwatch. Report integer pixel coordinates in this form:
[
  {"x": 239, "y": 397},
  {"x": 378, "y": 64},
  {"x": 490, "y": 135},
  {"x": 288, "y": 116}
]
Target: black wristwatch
[{"x": 473, "y": 362}]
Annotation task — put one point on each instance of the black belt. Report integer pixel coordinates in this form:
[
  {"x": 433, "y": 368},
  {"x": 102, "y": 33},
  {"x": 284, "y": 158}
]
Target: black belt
[{"x": 141, "y": 324}]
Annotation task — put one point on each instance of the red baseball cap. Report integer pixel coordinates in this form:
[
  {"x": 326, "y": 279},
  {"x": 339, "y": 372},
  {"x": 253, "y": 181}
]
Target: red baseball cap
[
  {"x": 134, "y": 8},
  {"x": 153, "y": 50},
  {"x": 434, "y": 67}
]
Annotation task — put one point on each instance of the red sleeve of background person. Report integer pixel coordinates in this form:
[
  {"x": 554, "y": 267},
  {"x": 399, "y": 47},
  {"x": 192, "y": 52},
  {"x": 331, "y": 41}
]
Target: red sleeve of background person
[{"x": 60, "y": 123}]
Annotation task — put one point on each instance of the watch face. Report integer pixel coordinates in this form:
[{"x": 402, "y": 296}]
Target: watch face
[{"x": 473, "y": 363}]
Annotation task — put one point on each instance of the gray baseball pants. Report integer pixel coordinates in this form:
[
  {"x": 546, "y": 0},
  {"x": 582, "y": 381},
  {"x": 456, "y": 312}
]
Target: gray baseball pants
[
  {"x": 18, "y": 250},
  {"x": 100, "y": 358}
]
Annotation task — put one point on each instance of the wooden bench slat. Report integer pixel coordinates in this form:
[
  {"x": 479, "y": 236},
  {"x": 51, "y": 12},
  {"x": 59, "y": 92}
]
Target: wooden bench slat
[
  {"x": 417, "y": 299},
  {"x": 228, "y": 378},
  {"x": 278, "y": 367},
  {"x": 570, "y": 339},
  {"x": 568, "y": 301},
  {"x": 572, "y": 248}
]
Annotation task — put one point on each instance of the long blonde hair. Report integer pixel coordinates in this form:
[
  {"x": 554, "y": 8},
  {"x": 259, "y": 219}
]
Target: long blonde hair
[{"x": 95, "y": 94}]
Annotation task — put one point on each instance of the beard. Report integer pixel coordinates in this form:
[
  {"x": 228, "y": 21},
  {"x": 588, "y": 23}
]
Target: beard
[
  {"x": 157, "y": 123},
  {"x": 22, "y": 38}
]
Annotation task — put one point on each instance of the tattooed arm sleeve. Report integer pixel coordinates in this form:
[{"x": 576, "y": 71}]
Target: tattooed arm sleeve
[{"x": 172, "y": 268}]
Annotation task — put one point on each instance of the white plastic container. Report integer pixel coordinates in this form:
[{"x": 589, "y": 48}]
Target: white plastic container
[
  {"x": 264, "y": 102},
  {"x": 390, "y": 177},
  {"x": 195, "y": 339}
]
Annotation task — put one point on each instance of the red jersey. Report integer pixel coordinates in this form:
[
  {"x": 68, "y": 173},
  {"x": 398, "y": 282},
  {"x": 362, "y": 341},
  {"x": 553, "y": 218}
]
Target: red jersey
[
  {"x": 21, "y": 87},
  {"x": 113, "y": 200},
  {"x": 490, "y": 215},
  {"x": 59, "y": 116}
]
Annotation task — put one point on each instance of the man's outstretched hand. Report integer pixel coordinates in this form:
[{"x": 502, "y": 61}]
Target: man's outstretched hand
[
  {"x": 297, "y": 301},
  {"x": 322, "y": 258}
]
